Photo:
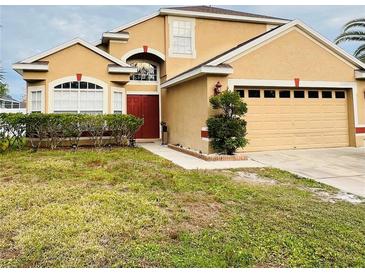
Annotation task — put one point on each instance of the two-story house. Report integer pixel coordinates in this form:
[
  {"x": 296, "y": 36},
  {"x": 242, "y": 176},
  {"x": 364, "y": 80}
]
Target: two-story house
[{"x": 302, "y": 91}]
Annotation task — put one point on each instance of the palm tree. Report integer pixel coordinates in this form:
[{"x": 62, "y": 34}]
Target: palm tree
[
  {"x": 3, "y": 85},
  {"x": 354, "y": 31}
]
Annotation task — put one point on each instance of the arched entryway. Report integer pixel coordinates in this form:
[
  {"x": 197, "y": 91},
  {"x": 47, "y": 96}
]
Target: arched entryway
[{"x": 144, "y": 92}]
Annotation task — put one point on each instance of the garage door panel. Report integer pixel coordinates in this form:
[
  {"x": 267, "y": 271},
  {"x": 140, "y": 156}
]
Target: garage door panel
[{"x": 283, "y": 123}]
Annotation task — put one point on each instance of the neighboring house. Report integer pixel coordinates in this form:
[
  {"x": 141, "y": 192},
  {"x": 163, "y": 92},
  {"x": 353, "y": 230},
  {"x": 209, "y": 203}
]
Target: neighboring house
[
  {"x": 302, "y": 91},
  {"x": 9, "y": 105}
]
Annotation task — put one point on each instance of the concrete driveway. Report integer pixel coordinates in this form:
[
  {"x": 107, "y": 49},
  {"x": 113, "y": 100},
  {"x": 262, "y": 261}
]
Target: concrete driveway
[{"x": 343, "y": 168}]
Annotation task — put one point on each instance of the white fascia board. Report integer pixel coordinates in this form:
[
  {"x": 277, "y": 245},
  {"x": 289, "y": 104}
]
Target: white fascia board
[
  {"x": 71, "y": 43},
  {"x": 359, "y": 74},
  {"x": 281, "y": 29},
  {"x": 222, "y": 16},
  {"x": 197, "y": 72},
  {"x": 122, "y": 70},
  {"x": 38, "y": 67},
  {"x": 115, "y": 36},
  {"x": 135, "y": 22}
]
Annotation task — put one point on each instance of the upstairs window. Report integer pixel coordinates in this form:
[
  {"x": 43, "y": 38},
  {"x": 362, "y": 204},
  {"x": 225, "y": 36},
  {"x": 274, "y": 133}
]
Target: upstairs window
[
  {"x": 182, "y": 37},
  {"x": 145, "y": 72}
]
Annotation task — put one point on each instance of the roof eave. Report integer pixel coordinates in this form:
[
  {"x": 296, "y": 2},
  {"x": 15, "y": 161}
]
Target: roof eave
[
  {"x": 115, "y": 36},
  {"x": 21, "y": 67},
  {"x": 360, "y": 74},
  {"x": 196, "y": 73},
  {"x": 222, "y": 16},
  {"x": 116, "y": 69}
]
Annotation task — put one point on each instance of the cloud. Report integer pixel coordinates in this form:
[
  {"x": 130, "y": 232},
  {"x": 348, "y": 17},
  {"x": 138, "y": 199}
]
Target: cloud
[{"x": 28, "y": 30}]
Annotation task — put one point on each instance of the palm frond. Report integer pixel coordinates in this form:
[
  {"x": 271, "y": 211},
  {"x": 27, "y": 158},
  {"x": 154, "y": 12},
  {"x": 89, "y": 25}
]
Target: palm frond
[
  {"x": 360, "y": 22},
  {"x": 360, "y": 50},
  {"x": 2, "y": 77},
  {"x": 350, "y": 36},
  {"x": 361, "y": 57}
]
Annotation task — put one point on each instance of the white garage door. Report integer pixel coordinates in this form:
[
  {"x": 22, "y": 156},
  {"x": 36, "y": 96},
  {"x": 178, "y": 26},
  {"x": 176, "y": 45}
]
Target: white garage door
[{"x": 305, "y": 118}]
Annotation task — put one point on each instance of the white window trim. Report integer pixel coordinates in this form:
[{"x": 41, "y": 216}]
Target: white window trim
[
  {"x": 54, "y": 83},
  {"x": 43, "y": 97},
  {"x": 124, "y": 99},
  {"x": 171, "y": 19}
]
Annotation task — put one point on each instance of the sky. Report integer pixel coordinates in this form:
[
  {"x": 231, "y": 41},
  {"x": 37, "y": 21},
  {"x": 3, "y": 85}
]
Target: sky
[{"x": 28, "y": 30}]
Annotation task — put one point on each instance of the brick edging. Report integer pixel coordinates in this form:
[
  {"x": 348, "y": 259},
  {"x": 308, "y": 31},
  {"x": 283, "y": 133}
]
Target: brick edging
[{"x": 210, "y": 157}]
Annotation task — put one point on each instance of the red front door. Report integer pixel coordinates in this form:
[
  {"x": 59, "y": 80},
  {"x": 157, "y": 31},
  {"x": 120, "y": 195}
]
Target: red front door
[{"x": 146, "y": 107}]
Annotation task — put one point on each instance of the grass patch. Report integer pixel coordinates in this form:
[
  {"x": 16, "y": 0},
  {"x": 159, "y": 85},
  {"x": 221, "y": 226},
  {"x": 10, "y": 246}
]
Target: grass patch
[{"x": 130, "y": 208}]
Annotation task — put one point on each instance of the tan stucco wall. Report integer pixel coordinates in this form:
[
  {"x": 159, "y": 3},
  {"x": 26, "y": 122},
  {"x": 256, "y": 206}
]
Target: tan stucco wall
[
  {"x": 150, "y": 33},
  {"x": 290, "y": 56},
  {"x": 187, "y": 111},
  {"x": 141, "y": 87},
  {"x": 361, "y": 101},
  {"x": 360, "y": 139}
]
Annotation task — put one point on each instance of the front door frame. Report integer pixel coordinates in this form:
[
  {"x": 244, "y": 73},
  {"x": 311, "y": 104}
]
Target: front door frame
[
  {"x": 139, "y": 93},
  {"x": 142, "y": 92}
]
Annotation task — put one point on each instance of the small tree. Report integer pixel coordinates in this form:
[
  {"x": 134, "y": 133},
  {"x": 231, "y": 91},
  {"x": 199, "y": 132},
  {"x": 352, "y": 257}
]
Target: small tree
[{"x": 227, "y": 129}]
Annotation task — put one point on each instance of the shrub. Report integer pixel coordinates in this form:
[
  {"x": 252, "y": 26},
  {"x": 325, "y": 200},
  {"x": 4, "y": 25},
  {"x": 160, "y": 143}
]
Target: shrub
[
  {"x": 54, "y": 130},
  {"x": 36, "y": 129},
  {"x": 123, "y": 128},
  {"x": 76, "y": 125},
  {"x": 227, "y": 129},
  {"x": 12, "y": 130}
]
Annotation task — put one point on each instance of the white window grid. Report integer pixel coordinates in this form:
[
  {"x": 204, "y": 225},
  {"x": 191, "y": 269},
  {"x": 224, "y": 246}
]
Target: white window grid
[
  {"x": 36, "y": 100},
  {"x": 182, "y": 37},
  {"x": 117, "y": 101},
  {"x": 73, "y": 97}
]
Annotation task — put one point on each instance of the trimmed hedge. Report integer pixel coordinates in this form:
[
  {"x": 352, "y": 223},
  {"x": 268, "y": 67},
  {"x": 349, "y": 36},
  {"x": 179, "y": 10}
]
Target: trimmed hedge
[{"x": 55, "y": 130}]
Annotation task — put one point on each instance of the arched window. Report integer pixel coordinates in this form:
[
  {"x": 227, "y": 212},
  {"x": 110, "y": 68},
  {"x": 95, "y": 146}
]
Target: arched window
[
  {"x": 145, "y": 71},
  {"x": 78, "y": 97}
]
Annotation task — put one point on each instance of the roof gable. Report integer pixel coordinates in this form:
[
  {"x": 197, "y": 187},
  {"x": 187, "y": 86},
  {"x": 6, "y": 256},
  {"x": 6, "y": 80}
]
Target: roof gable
[
  {"x": 71, "y": 43},
  {"x": 206, "y": 12},
  {"x": 274, "y": 33}
]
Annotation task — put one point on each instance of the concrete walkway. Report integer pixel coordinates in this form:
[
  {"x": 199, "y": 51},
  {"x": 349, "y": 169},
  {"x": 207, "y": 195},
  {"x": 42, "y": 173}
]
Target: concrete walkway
[
  {"x": 343, "y": 168},
  {"x": 190, "y": 162}
]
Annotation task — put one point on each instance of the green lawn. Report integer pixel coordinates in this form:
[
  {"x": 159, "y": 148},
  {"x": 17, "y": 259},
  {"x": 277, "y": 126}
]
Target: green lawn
[{"x": 130, "y": 208}]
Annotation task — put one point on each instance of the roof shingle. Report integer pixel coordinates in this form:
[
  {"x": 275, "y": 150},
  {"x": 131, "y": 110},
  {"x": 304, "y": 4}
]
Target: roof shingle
[{"x": 215, "y": 10}]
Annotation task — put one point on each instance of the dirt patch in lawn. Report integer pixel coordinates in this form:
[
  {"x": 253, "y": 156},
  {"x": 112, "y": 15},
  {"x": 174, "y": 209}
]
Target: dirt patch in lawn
[
  {"x": 198, "y": 215},
  {"x": 252, "y": 178},
  {"x": 336, "y": 196}
]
